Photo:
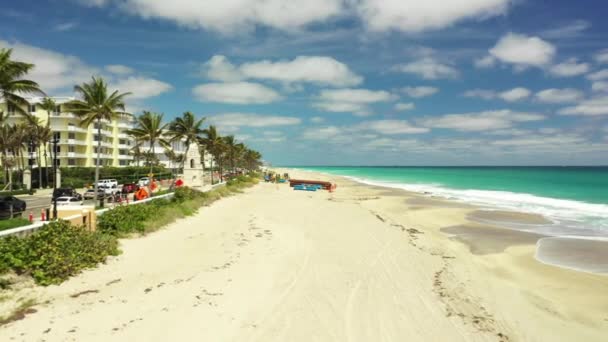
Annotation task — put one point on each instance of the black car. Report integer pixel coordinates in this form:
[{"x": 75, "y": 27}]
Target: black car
[
  {"x": 66, "y": 192},
  {"x": 19, "y": 206}
]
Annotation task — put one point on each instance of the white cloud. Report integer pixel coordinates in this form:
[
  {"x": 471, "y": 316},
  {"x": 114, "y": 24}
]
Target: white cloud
[
  {"x": 600, "y": 86},
  {"x": 355, "y": 101},
  {"x": 312, "y": 69},
  {"x": 65, "y": 26},
  {"x": 237, "y": 92},
  {"x": 418, "y": 92},
  {"x": 219, "y": 68},
  {"x": 485, "y": 62},
  {"x": 569, "y": 68},
  {"x": 598, "y": 75},
  {"x": 566, "y": 95},
  {"x": 591, "y": 107},
  {"x": 317, "y": 119},
  {"x": 428, "y": 68},
  {"x": 523, "y": 50},
  {"x": 118, "y": 69},
  {"x": 53, "y": 70},
  {"x": 390, "y": 127},
  {"x": 515, "y": 94},
  {"x": 303, "y": 69},
  {"x": 141, "y": 87},
  {"x": 512, "y": 95},
  {"x": 233, "y": 16},
  {"x": 573, "y": 29},
  {"x": 323, "y": 133},
  {"x": 417, "y": 16},
  {"x": 404, "y": 106},
  {"x": 227, "y": 120},
  {"x": 480, "y": 121},
  {"x": 601, "y": 56}
]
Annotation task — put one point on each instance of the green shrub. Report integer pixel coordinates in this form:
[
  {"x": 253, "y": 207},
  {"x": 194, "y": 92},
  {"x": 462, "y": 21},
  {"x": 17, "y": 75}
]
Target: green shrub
[
  {"x": 185, "y": 193},
  {"x": 13, "y": 223},
  {"x": 124, "y": 220},
  {"x": 55, "y": 252},
  {"x": 18, "y": 192}
]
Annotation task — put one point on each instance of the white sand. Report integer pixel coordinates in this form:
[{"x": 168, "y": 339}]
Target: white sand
[{"x": 275, "y": 264}]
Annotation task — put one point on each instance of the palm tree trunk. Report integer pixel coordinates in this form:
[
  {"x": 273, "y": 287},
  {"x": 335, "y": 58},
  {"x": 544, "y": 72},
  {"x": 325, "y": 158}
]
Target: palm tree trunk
[
  {"x": 46, "y": 163},
  {"x": 152, "y": 156},
  {"x": 39, "y": 169},
  {"x": 98, "y": 156}
]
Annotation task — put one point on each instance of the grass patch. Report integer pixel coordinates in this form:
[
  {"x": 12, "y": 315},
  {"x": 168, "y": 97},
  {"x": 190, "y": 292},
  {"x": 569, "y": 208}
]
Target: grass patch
[
  {"x": 13, "y": 223},
  {"x": 19, "y": 313}
]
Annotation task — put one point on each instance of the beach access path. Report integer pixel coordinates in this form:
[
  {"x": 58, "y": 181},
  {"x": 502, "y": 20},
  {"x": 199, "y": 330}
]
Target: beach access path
[{"x": 273, "y": 264}]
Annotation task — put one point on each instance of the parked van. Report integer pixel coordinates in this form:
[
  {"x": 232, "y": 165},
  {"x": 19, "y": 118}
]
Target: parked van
[{"x": 107, "y": 183}]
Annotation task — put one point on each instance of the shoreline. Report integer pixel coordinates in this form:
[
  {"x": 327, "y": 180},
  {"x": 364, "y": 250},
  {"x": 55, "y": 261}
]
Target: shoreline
[
  {"x": 525, "y": 222},
  {"x": 274, "y": 264}
]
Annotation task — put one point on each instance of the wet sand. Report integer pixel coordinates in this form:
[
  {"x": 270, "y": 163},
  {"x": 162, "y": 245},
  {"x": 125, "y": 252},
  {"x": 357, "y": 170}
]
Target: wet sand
[
  {"x": 483, "y": 239},
  {"x": 577, "y": 254}
]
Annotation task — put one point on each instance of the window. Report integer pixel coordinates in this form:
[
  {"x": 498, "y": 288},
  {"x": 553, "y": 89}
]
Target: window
[
  {"x": 71, "y": 148},
  {"x": 71, "y": 135},
  {"x": 122, "y": 163},
  {"x": 122, "y": 141},
  {"x": 192, "y": 163},
  {"x": 10, "y": 108},
  {"x": 123, "y": 152},
  {"x": 57, "y": 135},
  {"x": 31, "y": 108},
  {"x": 57, "y": 109},
  {"x": 97, "y": 137},
  {"x": 71, "y": 162},
  {"x": 58, "y": 149},
  {"x": 58, "y": 162}
]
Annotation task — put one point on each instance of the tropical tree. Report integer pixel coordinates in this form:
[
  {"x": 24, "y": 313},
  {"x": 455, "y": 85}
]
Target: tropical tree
[
  {"x": 214, "y": 143},
  {"x": 230, "y": 144},
  {"x": 12, "y": 84},
  {"x": 149, "y": 128},
  {"x": 97, "y": 104},
  {"x": 251, "y": 159},
  {"x": 49, "y": 105},
  {"x": 186, "y": 129}
]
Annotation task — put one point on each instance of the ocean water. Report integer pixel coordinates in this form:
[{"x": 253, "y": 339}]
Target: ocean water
[{"x": 575, "y": 199}]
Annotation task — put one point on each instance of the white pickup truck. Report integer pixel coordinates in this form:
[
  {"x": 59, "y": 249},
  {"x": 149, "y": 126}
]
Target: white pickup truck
[
  {"x": 107, "y": 183},
  {"x": 110, "y": 190}
]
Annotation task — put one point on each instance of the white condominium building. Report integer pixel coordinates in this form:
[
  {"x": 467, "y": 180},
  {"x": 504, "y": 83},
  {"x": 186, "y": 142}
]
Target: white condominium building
[{"x": 78, "y": 145}]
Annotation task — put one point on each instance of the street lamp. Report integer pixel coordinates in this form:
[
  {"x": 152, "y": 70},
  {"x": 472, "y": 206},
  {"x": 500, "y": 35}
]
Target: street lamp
[
  {"x": 55, "y": 141},
  {"x": 32, "y": 157}
]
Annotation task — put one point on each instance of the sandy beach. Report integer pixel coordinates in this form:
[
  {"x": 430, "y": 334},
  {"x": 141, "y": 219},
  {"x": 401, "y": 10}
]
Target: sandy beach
[{"x": 361, "y": 264}]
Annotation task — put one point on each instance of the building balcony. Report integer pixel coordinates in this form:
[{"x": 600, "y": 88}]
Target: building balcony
[
  {"x": 64, "y": 115},
  {"x": 73, "y": 155},
  {"x": 124, "y": 125},
  {"x": 68, "y": 128},
  {"x": 124, "y": 135},
  {"x": 73, "y": 142},
  {"x": 124, "y": 157}
]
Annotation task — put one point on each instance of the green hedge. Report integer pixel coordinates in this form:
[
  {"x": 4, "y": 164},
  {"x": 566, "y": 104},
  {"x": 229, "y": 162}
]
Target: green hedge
[
  {"x": 78, "y": 177},
  {"x": 18, "y": 192},
  {"x": 55, "y": 252}
]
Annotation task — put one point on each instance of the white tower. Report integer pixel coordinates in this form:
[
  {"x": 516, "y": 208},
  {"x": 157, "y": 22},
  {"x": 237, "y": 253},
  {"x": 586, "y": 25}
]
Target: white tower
[{"x": 193, "y": 168}]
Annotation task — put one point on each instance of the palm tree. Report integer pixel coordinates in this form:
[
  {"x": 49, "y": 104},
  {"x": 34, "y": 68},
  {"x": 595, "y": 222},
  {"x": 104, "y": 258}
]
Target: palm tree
[
  {"x": 251, "y": 159},
  {"x": 215, "y": 145},
  {"x": 187, "y": 130},
  {"x": 49, "y": 105},
  {"x": 150, "y": 128},
  {"x": 97, "y": 105},
  {"x": 231, "y": 150},
  {"x": 12, "y": 86}
]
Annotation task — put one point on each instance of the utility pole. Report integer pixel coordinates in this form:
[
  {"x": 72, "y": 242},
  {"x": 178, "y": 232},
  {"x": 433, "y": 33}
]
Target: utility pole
[{"x": 55, "y": 141}]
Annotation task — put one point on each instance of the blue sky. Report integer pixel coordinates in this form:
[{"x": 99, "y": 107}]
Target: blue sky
[{"x": 345, "y": 82}]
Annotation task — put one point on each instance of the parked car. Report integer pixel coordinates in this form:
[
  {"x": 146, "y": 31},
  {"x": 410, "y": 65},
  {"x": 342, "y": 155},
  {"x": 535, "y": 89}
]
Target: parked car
[
  {"x": 65, "y": 192},
  {"x": 67, "y": 200},
  {"x": 19, "y": 206},
  {"x": 143, "y": 181},
  {"x": 90, "y": 194},
  {"x": 128, "y": 188},
  {"x": 110, "y": 190},
  {"x": 107, "y": 183}
]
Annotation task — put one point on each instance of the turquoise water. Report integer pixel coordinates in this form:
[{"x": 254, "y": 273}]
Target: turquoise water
[
  {"x": 587, "y": 184},
  {"x": 575, "y": 198}
]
